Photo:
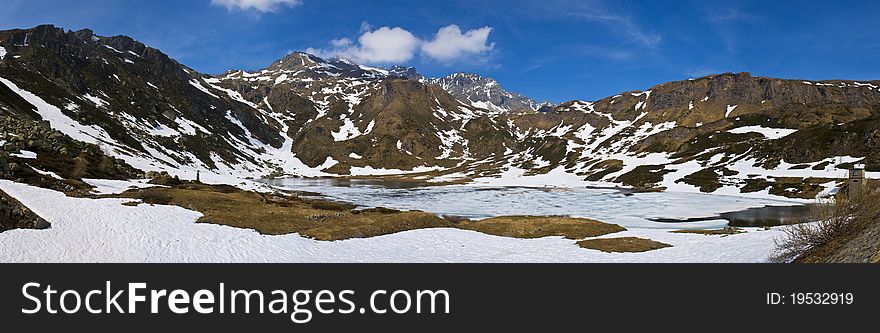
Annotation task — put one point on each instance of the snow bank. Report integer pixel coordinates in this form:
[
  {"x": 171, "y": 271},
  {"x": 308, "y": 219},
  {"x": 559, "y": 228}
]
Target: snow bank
[
  {"x": 107, "y": 186},
  {"x": 104, "y": 230},
  {"x": 769, "y": 132},
  {"x": 514, "y": 176},
  {"x": 26, "y": 154}
]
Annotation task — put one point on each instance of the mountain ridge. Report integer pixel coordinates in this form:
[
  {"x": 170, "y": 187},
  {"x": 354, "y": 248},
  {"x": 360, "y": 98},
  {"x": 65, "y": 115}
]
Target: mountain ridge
[{"x": 729, "y": 133}]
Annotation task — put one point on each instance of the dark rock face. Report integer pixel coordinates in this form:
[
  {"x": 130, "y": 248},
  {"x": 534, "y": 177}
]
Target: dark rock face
[
  {"x": 14, "y": 215},
  {"x": 405, "y": 72}
]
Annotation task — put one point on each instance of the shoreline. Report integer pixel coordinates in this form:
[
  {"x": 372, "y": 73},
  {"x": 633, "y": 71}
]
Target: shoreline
[{"x": 104, "y": 230}]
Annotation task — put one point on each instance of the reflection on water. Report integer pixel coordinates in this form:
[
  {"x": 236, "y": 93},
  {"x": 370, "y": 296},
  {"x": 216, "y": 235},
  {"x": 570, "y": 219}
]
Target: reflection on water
[
  {"x": 645, "y": 210},
  {"x": 767, "y": 216}
]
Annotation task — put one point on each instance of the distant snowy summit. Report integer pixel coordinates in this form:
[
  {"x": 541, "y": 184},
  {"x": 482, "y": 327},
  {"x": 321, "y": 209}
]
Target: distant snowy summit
[
  {"x": 470, "y": 88},
  {"x": 484, "y": 92}
]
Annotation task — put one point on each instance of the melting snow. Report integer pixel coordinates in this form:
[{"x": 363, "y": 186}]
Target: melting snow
[
  {"x": 25, "y": 154},
  {"x": 112, "y": 48},
  {"x": 189, "y": 127},
  {"x": 47, "y": 173},
  {"x": 730, "y": 109},
  {"x": 96, "y": 100},
  {"x": 199, "y": 86},
  {"x": 59, "y": 120},
  {"x": 770, "y": 133},
  {"x": 347, "y": 131},
  {"x": 108, "y": 186}
]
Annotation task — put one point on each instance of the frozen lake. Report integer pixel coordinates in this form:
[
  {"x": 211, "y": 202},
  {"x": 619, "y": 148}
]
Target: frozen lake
[{"x": 657, "y": 210}]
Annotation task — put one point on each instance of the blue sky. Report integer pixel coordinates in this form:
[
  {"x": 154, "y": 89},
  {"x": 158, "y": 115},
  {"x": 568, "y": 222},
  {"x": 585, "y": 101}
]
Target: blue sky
[{"x": 549, "y": 49}]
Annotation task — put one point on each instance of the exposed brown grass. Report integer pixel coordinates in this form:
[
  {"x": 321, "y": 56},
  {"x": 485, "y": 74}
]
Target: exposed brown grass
[
  {"x": 622, "y": 244},
  {"x": 152, "y": 196},
  {"x": 455, "y": 219},
  {"x": 277, "y": 214},
  {"x": 834, "y": 223},
  {"x": 541, "y": 226}
]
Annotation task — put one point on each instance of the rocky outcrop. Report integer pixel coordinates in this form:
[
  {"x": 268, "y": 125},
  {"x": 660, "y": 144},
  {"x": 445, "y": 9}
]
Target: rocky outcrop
[
  {"x": 34, "y": 153},
  {"x": 14, "y": 215}
]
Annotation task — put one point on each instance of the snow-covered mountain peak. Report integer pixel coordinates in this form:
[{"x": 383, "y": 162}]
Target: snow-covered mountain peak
[{"x": 483, "y": 92}]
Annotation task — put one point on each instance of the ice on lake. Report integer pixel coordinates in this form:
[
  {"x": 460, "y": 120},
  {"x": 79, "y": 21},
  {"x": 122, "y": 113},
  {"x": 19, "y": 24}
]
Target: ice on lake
[{"x": 633, "y": 210}]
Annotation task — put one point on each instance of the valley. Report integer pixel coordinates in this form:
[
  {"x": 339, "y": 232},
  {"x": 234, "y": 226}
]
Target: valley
[{"x": 129, "y": 155}]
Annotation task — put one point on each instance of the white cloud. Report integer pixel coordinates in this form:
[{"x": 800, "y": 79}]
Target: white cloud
[
  {"x": 383, "y": 45},
  {"x": 365, "y": 26},
  {"x": 263, "y": 6},
  {"x": 450, "y": 44},
  {"x": 341, "y": 42},
  {"x": 625, "y": 25},
  {"x": 397, "y": 45}
]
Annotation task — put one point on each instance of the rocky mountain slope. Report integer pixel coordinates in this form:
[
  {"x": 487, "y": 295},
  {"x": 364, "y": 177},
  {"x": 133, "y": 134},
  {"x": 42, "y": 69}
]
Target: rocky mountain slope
[
  {"x": 306, "y": 116},
  {"x": 484, "y": 93},
  {"x": 131, "y": 100}
]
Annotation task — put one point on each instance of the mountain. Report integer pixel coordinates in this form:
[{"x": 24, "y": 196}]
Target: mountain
[
  {"x": 731, "y": 132},
  {"x": 483, "y": 93},
  {"x": 133, "y": 101},
  {"x": 362, "y": 118},
  {"x": 139, "y": 110}
]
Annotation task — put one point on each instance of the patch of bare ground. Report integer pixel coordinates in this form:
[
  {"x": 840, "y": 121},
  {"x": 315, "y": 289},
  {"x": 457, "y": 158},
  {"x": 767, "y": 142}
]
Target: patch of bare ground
[
  {"x": 279, "y": 214},
  {"x": 541, "y": 226},
  {"x": 726, "y": 231},
  {"x": 622, "y": 244}
]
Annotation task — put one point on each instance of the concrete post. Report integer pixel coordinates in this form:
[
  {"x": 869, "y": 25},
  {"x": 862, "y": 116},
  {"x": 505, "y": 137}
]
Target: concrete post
[{"x": 856, "y": 178}]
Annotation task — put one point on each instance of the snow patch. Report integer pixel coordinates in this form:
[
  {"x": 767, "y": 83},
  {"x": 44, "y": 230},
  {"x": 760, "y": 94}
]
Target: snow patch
[
  {"x": 108, "y": 186},
  {"x": 60, "y": 121},
  {"x": 96, "y": 100},
  {"x": 199, "y": 86},
  {"x": 730, "y": 109},
  {"x": 26, "y": 154},
  {"x": 770, "y": 133},
  {"x": 47, "y": 173}
]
